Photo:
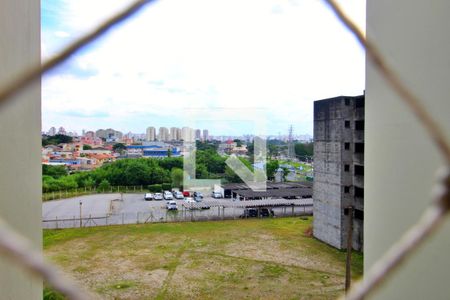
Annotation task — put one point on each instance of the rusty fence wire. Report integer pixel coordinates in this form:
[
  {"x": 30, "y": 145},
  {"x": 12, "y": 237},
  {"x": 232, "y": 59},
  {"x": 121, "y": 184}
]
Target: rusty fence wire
[{"x": 18, "y": 249}]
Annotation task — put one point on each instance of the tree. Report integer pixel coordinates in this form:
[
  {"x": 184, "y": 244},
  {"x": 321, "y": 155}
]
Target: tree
[
  {"x": 119, "y": 147},
  {"x": 104, "y": 185},
  {"x": 273, "y": 150},
  {"x": 89, "y": 182},
  {"x": 56, "y": 139},
  {"x": 304, "y": 149},
  {"x": 271, "y": 169},
  {"x": 238, "y": 142},
  {"x": 54, "y": 171},
  {"x": 87, "y": 147},
  {"x": 285, "y": 173},
  {"x": 177, "y": 177}
]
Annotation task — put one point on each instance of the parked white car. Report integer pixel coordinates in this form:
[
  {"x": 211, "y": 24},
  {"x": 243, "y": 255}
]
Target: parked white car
[
  {"x": 167, "y": 195},
  {"x": 171, "y": 205},
  {"x": 189, "y": 200},
  {"x": 216, "y": 195},
  {"x": 178, "y": 195},
  {"x": 157, "y": 196},
  {"x": 148, "y": 196}
]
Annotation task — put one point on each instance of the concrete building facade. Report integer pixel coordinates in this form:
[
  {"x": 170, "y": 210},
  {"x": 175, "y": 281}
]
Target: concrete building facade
[
  {"x": 175, "y": 134},
  {"x": 109, "y": 134},
  {"x": 163, "y": 135},
  {"x": 339, "y": 169},
  {"x": 150, "y": 134},
  {"x": 188, "y": 134},
  {"x": 20, "y": 153},
  {"x": 205, "y": 135},
  {"x": 198, "y": 134},
  {"x": 401, "y": 159}
]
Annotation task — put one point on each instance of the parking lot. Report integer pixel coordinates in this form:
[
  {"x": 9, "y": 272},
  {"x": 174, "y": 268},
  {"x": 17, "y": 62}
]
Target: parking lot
[{"x": 106, "y": 209}]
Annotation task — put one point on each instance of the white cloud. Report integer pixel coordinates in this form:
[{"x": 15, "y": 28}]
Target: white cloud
[
  {"x": 61, "y": 34},
  {"x": 202, "y": 53}
]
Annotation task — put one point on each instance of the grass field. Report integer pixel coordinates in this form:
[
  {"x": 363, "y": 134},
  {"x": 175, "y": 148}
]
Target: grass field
[{"x": 254, "y": 259}]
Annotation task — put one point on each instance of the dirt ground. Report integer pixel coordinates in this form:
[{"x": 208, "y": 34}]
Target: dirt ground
[{"x": 270, "y": 259}]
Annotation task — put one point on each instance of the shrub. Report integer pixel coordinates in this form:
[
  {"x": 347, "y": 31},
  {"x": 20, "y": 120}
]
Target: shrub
[
  {"x": 104, "y": 185},
  {"x": 156, "y": 188},
  {"x": 166, "y": 186}
]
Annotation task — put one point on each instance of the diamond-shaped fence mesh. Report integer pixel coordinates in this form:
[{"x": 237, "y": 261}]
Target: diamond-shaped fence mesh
[{"x": 19, "y": 250}]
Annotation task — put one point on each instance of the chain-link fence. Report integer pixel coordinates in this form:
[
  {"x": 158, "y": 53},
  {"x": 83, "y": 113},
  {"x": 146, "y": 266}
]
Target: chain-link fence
[
  {"x": 17, "y": 248},
  {"x": 183, "y": 213}
]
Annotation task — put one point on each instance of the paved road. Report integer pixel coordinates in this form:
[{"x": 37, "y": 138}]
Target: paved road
[
  {"x": 95, "y": 205},
  {"x": 132, "y": 208}
]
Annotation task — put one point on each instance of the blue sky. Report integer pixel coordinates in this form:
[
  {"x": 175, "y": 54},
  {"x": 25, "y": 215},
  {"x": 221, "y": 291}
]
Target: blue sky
[{"x": 231, "y": 57}]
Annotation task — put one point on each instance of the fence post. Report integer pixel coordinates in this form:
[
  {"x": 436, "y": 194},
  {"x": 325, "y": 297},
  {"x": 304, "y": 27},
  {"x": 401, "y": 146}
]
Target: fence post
[
  {"x": 56, "y": 219},
  {"x": 106, "y": 220},
  {"x": 137, "y": 218},
  {"x": 292, "y": 209},
  {"x": 122, "y": 219}
]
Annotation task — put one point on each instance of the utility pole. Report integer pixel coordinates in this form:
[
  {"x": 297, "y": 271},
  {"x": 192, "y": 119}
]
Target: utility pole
[
  {"x": 81, "y": 220},
  {"x": 348, "y": 266},
  {"x": 291, "y": 149}
]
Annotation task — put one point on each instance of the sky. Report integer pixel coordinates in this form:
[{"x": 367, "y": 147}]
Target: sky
[{"x": 185, "y": 62}]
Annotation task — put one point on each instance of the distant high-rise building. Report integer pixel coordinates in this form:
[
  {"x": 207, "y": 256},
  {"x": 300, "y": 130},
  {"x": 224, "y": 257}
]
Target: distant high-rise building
[
  {"x": 175, "y": 134},
  {"x": 198, "y": 134},
  {"x": 150, "y": 134},
  {"x": 339, "y": 169},
  {"x": 83, "y": 132},
  {"x": 52, "y": 131},
  {"x": 163, "y": 134},
  {"x": 109, "y": 134},
  {"x": 205, "y": 135},
  {"x": 187, "y": 134}
]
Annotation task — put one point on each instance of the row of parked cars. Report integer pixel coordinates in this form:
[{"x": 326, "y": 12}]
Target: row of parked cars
[
  {"x": 167, "y": 195},
  {"x": 170, "y": 197}
]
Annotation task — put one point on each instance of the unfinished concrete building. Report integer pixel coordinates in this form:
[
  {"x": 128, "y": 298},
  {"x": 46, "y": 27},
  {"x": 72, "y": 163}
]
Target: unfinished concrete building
[{"x": 339, "y": 169}]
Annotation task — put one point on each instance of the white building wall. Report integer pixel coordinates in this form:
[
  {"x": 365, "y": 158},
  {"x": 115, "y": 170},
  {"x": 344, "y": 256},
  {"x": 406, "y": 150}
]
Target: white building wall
[
  {"x": 20, "y": 150},
  {"x": 400, "y": 159}
]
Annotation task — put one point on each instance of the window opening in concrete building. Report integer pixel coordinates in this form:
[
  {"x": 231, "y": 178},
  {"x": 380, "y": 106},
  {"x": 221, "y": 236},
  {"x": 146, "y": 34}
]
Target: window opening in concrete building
[
  {"x": 359, "y": 125},
  {"x": 359, "y": 147},
  {"x": 359, "y": 170},
  {"x": 359, "y": 214},
  {"x": 359, "y": 192}
]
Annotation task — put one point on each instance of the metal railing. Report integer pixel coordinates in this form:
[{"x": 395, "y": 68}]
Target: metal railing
[{"x": 20, "y": 251}]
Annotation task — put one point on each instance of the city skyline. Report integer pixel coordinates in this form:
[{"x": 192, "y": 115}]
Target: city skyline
[{"x": 152, "y": 133}]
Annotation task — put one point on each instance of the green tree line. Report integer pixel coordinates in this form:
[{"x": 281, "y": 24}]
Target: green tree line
[{"x": 145, "y": 172}]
